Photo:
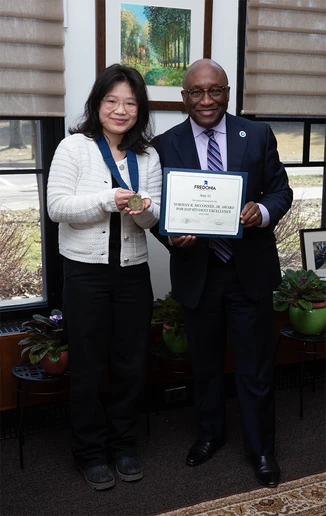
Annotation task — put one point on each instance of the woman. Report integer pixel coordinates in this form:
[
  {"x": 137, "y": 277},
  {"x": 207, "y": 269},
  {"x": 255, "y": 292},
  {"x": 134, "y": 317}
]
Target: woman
[{"x": 107, "y": 296}]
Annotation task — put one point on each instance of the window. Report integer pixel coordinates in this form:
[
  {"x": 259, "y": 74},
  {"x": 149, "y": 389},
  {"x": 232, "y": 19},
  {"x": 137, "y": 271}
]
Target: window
[
  {"x": 280, "y": 81},
  {"x": 301, "y": 145},
  {"x": 31, "y": 127},
  {"x": 30, "y": 269}
]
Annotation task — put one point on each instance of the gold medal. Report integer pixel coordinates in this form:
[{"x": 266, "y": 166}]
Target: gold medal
[{"x": 135, "y": 202}]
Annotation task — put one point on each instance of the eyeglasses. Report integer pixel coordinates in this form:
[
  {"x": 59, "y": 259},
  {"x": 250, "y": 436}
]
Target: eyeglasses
[
  {"x": 112, "y": 103},
  {"x": 215, "y": 93}
]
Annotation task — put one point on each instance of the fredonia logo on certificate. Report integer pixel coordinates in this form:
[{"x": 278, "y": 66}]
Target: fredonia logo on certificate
[
  {"x": 205, "y": 186},
  {"x": 202, "y": 202}
]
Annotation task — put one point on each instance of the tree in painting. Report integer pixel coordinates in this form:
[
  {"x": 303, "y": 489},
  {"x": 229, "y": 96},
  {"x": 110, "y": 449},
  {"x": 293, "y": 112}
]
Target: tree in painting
[{"x": 156, "y": 42}]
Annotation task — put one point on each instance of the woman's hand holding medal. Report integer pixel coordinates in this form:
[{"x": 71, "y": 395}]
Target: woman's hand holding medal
[
  {"x": 131, "y": 202},
  {"x": 137, "y": 205}
]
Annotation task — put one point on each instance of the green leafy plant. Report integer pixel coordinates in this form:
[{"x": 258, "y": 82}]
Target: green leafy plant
[
  {"x": 168, "y": 313},
  {"x": 299, "y": 288},
  {"x": 45, "y": 335}
]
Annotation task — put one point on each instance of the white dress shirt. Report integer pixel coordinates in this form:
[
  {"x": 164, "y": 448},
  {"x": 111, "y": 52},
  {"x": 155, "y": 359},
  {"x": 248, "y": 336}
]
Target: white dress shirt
[{"x": 201, "y": 141}]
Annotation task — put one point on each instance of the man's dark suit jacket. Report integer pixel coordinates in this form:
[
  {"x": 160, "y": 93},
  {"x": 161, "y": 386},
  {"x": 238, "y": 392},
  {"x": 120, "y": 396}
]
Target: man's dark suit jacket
[{"x": 255, "y": 254}]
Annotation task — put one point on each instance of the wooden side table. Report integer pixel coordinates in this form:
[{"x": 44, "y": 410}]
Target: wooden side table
[
  {"x": 311, "y": 341},
  {"x": 28, "y": 377}
]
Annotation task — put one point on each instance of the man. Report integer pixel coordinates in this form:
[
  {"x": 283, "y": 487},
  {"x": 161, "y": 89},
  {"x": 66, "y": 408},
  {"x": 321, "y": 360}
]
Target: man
[{"x": 230, "y": 294}]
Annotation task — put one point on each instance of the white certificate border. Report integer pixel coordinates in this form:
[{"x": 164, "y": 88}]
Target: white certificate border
[{"x": 165, "y": 204}]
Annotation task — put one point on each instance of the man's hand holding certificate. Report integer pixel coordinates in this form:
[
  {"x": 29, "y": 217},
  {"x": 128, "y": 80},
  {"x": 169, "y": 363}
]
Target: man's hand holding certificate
[{"x": 202, "y": 203}]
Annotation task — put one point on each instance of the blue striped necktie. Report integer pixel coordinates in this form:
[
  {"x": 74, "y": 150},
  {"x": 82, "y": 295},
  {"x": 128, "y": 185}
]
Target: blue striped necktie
[{"x": 222, "y": 247}]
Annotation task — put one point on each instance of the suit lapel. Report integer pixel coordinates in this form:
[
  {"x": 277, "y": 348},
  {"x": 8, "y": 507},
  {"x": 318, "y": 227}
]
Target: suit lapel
[
  {"x": 237, "y": 139},
  {"x": 185, "y": 146}
]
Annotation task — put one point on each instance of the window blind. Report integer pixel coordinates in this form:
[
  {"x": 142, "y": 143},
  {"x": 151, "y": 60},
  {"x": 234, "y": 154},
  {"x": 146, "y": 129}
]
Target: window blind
[
  {"x": 31, "y": 58},
  {"x": 285, "y": 58}
]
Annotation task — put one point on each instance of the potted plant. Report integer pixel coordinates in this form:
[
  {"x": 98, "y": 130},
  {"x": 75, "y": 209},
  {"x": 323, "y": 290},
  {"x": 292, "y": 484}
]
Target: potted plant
[
  {"x": 168, "y": 313},
  {"x": 304, "y": 294},
  {"x": 44, "y": 342}
]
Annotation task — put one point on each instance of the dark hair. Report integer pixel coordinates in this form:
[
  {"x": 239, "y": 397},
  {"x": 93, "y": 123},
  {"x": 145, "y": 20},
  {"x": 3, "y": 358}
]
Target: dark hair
[{"x": 139, "y": 136}]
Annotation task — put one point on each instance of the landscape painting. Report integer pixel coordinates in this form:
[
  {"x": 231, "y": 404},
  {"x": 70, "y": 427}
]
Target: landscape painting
[
  {"x": 157, "y": 37},
  {"x": 156, "y": 41}
]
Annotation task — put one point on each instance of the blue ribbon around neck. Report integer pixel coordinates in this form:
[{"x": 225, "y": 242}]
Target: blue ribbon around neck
[{"x": 131, "y": 160}]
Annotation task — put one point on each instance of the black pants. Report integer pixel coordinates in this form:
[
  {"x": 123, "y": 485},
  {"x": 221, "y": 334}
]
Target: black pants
[
  {"x": 225, "y": 309},
  {"x": 107, "y": 311}
]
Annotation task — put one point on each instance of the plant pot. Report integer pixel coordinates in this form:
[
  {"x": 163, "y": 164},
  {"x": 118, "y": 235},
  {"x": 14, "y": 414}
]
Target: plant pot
[
  {"x": 319, "y": 304},
  {"x": 59, "y": 367},
  {"x": 308, "y": 322},
  {"x": 176, "y": 343}
]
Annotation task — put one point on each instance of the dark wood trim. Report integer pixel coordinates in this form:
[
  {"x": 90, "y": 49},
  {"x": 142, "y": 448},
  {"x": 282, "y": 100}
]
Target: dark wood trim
[
  {"x": 208, "y": 29},
  {"x": 155, "y": 105},
  {"x": 100, "y": 36}
]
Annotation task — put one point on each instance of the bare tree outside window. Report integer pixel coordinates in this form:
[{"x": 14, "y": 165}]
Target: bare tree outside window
[
  {"x": 19, "y": 257},
  {"x": 20, "y": 215}
]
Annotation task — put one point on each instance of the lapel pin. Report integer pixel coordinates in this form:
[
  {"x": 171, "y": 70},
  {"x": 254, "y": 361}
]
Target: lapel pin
[{"x": 243, "y": 134}]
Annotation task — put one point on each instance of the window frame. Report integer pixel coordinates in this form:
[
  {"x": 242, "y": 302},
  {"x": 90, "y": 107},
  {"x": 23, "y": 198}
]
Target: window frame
[{"x": 52, "y": 131}]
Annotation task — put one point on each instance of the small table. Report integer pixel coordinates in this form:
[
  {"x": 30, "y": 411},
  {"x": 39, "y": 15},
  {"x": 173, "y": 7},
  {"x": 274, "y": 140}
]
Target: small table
[
  {"x": 289, "y": 333},
  {"x": 31, "y": 374},
  {"x": 163, "y": 356},
  {"x": 166, "y": 366}
]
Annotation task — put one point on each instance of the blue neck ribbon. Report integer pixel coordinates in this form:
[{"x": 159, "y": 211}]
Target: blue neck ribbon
[{"x": 131, "y": 160}]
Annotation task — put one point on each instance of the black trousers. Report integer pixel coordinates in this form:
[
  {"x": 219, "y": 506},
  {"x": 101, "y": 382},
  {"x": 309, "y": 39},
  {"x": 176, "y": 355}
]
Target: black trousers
[
  {"x": 107, "y": 311},
  {"x": 223, "y": 310}
]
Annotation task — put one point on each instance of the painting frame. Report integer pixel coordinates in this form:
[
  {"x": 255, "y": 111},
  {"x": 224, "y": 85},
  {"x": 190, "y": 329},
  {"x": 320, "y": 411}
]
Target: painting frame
[
  {"x": 101, "y": 32},
  {"x": 309, "y": 237}
]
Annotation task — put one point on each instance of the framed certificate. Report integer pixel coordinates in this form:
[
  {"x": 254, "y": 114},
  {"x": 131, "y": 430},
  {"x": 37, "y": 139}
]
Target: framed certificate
[{"x": 202, "y": 203}]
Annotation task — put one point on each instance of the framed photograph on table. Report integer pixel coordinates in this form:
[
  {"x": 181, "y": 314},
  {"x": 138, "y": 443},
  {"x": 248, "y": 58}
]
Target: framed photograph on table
[
  {"x": 313, "y": 250},
  {"x": 160, "y": 38}
]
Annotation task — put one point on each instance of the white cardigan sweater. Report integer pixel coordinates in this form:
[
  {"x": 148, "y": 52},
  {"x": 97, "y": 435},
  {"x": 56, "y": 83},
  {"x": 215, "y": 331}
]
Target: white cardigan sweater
[{"x": 81, "y": 199}]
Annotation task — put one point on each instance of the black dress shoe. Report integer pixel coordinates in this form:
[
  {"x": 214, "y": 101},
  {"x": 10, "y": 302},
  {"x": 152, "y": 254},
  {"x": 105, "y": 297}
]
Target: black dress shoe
[
  {"x": 267, "y": 470},
  {"x": 99, "y": 477},
  {"x": 128, "y": 468},
  {"x": 200, "y": 452}
]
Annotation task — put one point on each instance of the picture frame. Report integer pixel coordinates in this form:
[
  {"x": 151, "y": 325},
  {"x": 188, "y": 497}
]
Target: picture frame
[
  {"x": 313, "y": 250},
  {"x": 107, "y": 21}
]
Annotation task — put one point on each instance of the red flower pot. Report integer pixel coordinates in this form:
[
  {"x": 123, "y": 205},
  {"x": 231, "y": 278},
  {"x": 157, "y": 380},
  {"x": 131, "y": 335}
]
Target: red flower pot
[
  {"x": 59, "y": 367},
  {"x": 319, "y": 304}
]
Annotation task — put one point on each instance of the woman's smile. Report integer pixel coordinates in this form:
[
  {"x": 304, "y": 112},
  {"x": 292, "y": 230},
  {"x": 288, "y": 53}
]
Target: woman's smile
[{"x": 117, "y": 112}]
